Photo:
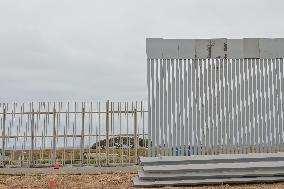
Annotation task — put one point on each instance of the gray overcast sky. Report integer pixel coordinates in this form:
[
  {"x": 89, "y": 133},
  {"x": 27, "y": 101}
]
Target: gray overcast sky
[{"x": 57, "y": 50}]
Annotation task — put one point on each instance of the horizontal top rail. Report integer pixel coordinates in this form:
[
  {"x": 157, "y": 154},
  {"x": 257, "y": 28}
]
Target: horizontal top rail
[
  {"x": 71, "y": 135},
  {"x": 86, "y": 112}
]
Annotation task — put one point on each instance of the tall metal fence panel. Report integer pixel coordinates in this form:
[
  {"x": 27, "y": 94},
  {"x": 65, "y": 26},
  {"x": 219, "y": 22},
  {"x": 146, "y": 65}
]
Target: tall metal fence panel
[
  {"x": 39, "y": 134},
  {"x": 215, "y": 96}
]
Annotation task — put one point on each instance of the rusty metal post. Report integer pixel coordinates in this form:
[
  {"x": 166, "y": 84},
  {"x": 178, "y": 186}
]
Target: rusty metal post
[
  {"x": 32, "y": 139},
  {"x": 82, "y": 138},
  {"x": 54, "y": 138},
  {"x": 135, "y": 136},
  {"x": 3, "y": 137},
  {"x": 107, "y": 132}
]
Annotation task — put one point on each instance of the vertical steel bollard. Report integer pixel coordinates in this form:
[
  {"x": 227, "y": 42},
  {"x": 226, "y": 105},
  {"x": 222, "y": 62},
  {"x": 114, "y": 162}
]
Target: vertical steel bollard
[
  {"x": 32, "y": 139},
  {"x": 82, "y": 138},
  {"x": 3, "y": 137},
  {"x": 54, "y": 138},
  {"x": 107, "y": 132},
  {"x": 135, "y": 136}
]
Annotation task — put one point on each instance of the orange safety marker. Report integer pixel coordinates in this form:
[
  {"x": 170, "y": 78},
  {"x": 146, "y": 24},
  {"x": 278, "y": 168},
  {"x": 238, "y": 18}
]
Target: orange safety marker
[
  {"x": 57, "y": 165},
  {"x": 52, "y": 183}
]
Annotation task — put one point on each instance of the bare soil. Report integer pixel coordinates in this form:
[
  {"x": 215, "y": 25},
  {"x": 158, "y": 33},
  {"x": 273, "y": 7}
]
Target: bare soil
[
  {"x": 100, "y": 180},
  {"x": 91, "y": 177}
]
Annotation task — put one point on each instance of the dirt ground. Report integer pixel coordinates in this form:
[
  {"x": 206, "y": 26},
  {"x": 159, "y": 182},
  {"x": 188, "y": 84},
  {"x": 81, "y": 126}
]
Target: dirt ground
[
  {"x": 90, "y": 177},
  {"x": 103, "y": 180}
]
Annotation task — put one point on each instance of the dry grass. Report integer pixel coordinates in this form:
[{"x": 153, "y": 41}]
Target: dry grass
[
  {"x": 73, "y": 156},
  {"x": 115, "y": 180}
]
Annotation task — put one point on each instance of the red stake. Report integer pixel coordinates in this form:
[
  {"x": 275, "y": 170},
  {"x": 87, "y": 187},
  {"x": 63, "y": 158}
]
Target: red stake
[
  {"x": 51, "y": 183},
  {"x": 57, "y": 165}
]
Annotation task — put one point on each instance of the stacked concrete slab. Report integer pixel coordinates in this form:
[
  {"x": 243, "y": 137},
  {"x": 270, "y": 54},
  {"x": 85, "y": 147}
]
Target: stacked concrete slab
[{"x": 210, "y": 169}]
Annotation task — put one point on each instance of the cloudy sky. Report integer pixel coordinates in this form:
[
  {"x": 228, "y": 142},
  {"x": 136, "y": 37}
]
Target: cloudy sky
[{"x": 55, "y": 50}]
